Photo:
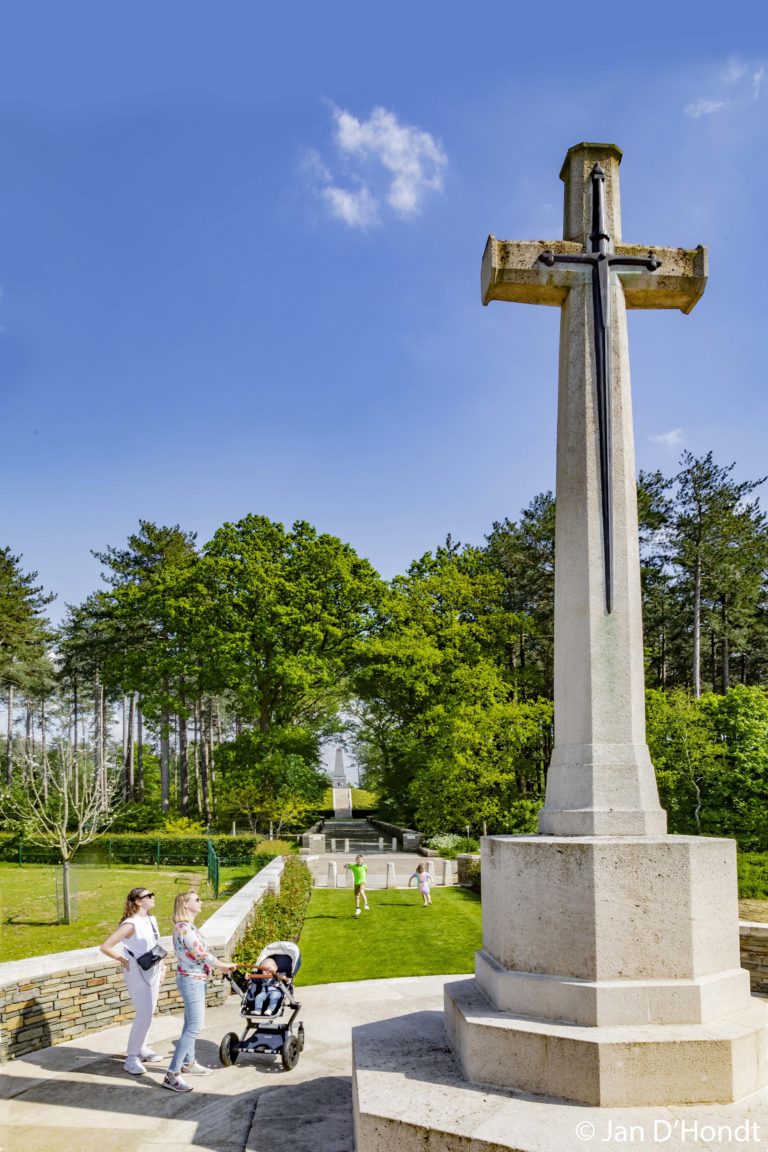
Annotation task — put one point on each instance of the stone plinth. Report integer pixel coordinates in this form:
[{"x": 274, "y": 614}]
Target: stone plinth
[
  {"x": 610, "y": 973},
  {"x": 410, "y": 1096}
]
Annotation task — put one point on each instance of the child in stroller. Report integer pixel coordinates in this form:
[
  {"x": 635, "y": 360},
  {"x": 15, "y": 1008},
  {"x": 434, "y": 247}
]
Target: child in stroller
[
  {"x": 266, "y": 989},
  {"x": 268, "y": 1004}
]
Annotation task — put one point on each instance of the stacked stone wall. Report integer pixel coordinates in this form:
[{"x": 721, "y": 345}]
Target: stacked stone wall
[
  {"x": 50, "y": 1009},
  {"x": 48, "y": 999},
  {"x": 754, "y": 955}
]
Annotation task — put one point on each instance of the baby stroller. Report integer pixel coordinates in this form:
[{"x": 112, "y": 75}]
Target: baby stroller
[{"x": 272, "y": 1033}]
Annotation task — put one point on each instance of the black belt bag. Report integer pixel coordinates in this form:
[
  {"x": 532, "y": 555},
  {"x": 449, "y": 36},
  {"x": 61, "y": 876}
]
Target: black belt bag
[{"x": 149, "y": 959}]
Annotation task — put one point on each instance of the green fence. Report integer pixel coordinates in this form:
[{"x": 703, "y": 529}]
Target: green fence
[
  {"x": 152, "y": 851},
  {"x": 213, "y": 870}
]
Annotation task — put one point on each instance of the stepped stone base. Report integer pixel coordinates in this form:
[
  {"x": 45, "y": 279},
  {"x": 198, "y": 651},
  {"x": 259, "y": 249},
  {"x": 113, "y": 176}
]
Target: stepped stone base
[
  {"x": 410, "y": 1096},
  {"x": 717, "y": 1062}
]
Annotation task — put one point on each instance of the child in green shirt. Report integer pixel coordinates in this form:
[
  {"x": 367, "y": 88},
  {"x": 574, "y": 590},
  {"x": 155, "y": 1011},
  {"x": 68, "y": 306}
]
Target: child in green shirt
[{"x": 359, "y": 872}]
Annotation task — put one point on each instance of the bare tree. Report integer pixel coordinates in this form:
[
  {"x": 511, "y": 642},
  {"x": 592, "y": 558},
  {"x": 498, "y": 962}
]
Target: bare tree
[{"x": 65, "y": 805}]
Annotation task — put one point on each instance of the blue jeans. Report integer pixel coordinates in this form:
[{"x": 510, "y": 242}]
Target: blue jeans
[
  {"x": 270, "y": 997},
  {"x": 193, "y": 994}
]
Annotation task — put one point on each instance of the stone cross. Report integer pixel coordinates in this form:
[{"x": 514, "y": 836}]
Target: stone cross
[{"x": 601, "y": 781}]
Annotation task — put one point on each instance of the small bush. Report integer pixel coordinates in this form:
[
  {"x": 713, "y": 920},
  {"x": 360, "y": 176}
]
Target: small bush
[
  {"x": 473, "y": 875},
  {"x": 183, "y": 826},
  {"x": 277, "y": 917},
  {"x": 450, "y": 844},
  {"x": 753, "y": 875},
  {"x": 274, "y": 848}
]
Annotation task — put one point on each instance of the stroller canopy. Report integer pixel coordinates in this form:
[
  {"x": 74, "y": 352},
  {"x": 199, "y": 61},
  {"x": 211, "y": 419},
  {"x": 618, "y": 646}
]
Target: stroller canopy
[{"x": 282, "y": 948}]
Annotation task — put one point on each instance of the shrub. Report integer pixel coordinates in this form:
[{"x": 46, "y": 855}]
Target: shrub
[
  {"x": 473, "y": 875},
  {"x": 272, "y": 848},
  {"x": 277, "y": 917},
  {"x": 753, "y": 875},
  {"x": 448, "y": 844},
  {"x": 183, "y": 826}
]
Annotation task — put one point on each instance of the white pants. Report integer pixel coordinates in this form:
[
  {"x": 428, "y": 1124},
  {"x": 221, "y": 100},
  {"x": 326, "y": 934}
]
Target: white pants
[{"x": 143, "y": 988}]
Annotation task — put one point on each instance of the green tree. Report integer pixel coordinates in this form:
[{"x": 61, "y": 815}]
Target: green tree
[
  {"x": 25, "y": 637},
  {"x": 524, "y": 553},
  {"x": 283, "y": 611},
  {"x": 713, "y": 533},
  {"x": 270, "y": 778},
  {"x": 436, "y": 693}
]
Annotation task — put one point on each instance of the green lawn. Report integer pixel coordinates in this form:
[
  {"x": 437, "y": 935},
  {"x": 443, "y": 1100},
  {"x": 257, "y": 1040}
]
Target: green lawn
[
  {"x": 28, "y": 903},
  {"x": 398, "y": 937}
]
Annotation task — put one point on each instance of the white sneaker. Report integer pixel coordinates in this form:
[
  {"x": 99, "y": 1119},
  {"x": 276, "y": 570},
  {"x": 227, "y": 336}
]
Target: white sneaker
[
  {"x": 148, "y": 1054},
  {"x": 175, "y": 1083},
  {"x": 134, "y": 1066},
  {"x": 196, "y": 1070},
  {"x": 367, "y": 908},
  {"x": 357, "y": 911}
]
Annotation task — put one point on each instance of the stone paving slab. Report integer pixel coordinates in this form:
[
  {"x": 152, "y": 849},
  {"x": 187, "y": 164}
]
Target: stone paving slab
[{"x": 77, "y": 1098}]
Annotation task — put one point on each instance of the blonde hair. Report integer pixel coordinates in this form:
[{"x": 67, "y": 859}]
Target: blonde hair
[{"x": 180, "y": 905}]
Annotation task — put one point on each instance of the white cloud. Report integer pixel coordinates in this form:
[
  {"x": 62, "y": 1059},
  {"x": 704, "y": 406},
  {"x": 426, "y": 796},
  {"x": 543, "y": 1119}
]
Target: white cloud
[
  {"x": 413, "y": 157},
  {"x": 314, "y": 167},
  {"x": 734, "y": 71},
  {"x": 385, "y": 163},
  {"x": 703, "y": 107},
  {"x": 735, "y": 84},
  {"x": 358, "y": 209},
  {"x": 671, "y": 439}
]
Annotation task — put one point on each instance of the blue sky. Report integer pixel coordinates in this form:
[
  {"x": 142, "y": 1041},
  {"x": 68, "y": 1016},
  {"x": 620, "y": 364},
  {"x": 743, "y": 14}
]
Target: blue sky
[{"x": 240, "y": 250}]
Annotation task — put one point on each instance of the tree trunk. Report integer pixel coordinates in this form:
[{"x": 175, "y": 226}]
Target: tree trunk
[
  {"x": 76, "y": 721},
  {"x": 198, "y": 724},
  {"x": 104, "y": 737},
  {"x": 165, "y": 726},
  {"x": 98, "y": 718},
  {"x": 139, "y": 753},
  {"x": 725, "y": 651},
  {"x": 29, "y": 747},
  {"x": 128, "y": 742},
  {"x": 43, "y": 750},
  {"x": 183, "y": 766},
  {"x": 204, "y": 728},
  {"x": 697, "y": 628},
  {"x": 9, "y": 740},
  {"x": 65, "y": 892}
]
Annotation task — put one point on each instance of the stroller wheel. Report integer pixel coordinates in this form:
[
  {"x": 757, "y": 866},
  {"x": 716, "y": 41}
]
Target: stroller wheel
[
  {"x": 300, "y": 1036},
  {"x": 229, "y": 1049},
  {"x": 290, "y": 1053}
]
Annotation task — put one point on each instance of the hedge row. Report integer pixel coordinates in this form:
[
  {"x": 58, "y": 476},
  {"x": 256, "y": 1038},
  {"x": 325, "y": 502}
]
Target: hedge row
[
  {"x": 138, "y": 848},
  {"x": 277, "y": 917}
]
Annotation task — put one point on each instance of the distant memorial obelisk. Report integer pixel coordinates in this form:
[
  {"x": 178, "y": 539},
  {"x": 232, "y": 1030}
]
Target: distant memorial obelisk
[
  {"x": 342, "y": 793},
  {"x": 610, "y": 971},
  {"x": 339, "y": 777}
]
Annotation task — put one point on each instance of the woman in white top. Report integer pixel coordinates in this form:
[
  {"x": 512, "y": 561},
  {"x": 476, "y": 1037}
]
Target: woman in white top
[{"x": 138, "y": 932}]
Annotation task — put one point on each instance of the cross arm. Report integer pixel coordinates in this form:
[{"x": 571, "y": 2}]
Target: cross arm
[
  {"x": 678, "y": 283},
  {"x": 511, "y": 270}
]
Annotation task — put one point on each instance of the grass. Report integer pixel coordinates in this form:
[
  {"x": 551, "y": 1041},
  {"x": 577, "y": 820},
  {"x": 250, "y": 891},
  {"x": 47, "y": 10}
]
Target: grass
[
  {"x": 398, "y": 937},
  {"x": 28, "y": 903},
  {"x": 361, "y": 798}
]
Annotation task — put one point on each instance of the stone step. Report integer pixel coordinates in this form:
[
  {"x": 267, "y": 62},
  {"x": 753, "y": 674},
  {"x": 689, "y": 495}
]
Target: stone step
[{"x": 613, "y": 1067}]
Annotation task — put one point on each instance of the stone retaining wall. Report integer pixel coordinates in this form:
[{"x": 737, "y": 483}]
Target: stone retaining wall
[
  {"x": 48, "y": 999},
  {"x": 754, "y": 955},
  {"x": 463, "y": 862},
  {"x": 408, "y": 840}
]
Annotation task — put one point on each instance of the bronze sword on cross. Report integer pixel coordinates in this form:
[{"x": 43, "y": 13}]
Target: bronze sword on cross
[{"x": 601, "y": 261}]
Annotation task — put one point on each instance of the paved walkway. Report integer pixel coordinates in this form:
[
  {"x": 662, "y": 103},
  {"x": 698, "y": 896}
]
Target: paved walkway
[{"x": 77, "y": 1098}]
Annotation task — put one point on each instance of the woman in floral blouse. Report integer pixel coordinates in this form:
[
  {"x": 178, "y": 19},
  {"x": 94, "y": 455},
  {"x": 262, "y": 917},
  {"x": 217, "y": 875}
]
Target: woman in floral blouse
[{"x": 194, "y": 964}]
